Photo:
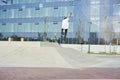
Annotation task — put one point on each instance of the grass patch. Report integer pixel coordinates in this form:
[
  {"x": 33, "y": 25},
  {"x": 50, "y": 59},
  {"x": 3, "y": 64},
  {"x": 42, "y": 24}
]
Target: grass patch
[{"x": 105, "y": 53}]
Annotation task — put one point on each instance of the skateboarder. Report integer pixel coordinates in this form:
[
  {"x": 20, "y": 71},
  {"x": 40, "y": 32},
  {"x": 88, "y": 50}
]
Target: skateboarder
[{"x": 65, "y": 26}]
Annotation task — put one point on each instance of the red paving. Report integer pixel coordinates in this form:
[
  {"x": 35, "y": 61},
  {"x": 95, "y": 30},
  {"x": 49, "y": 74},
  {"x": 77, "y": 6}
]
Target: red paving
[{"x": 58, "y": 73}]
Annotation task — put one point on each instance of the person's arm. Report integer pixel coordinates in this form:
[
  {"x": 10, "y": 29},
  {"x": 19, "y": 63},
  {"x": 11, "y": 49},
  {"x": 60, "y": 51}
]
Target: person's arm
[{"x": 69, "y": 15}]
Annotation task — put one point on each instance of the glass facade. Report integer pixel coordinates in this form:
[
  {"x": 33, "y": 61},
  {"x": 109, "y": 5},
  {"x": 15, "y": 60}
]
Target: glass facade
[
  {"x": 95, "y": 15},
  {"x": 32, "y": 18}
]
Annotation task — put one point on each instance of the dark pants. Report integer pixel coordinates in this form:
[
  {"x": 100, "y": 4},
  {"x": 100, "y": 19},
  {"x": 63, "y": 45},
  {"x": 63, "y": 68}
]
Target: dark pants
[{"x": 65, "y": 33}]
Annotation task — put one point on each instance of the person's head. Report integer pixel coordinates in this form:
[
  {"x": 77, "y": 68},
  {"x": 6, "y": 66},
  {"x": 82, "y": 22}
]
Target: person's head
[{"x": 65, "y": 17}]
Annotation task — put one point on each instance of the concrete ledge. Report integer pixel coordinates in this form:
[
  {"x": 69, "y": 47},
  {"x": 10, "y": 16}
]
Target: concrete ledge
[{"x": 93, "y": 48}]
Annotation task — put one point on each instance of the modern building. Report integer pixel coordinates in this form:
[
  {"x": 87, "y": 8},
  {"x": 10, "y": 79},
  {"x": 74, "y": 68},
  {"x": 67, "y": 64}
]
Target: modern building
[{"x": 39, "y": 19}]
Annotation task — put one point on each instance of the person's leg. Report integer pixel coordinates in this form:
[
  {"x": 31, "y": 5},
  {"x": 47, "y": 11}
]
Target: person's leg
[
  {"x": 65, "y": 34},
  {"x": 61, "y": 31},
  {"x": 61, "y": 35}
]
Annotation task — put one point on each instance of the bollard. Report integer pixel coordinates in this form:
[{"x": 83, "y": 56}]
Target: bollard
[
  {"x": 22, "y": 39},
  {"x": 9, "y": 39}
]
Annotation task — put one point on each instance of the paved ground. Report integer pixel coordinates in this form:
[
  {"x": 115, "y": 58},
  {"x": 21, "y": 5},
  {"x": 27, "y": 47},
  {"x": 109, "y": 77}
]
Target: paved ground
[
  {"x": 30, "y": 54},
  {"x": 38, "y": 60},
  {"x": 58, "y": 73}
]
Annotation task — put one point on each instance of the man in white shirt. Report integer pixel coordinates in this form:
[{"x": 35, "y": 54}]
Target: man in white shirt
[{"x": 65, "y": 26}]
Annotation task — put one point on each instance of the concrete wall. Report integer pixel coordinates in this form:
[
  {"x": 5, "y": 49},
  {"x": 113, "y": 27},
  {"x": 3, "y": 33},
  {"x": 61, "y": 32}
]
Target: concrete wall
[{"x": 93, "y": 48}]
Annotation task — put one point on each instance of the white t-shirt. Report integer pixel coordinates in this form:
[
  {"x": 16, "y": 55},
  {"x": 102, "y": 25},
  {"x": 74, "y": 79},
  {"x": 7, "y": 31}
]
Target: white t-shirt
[{"x": 65, "y": 23}]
